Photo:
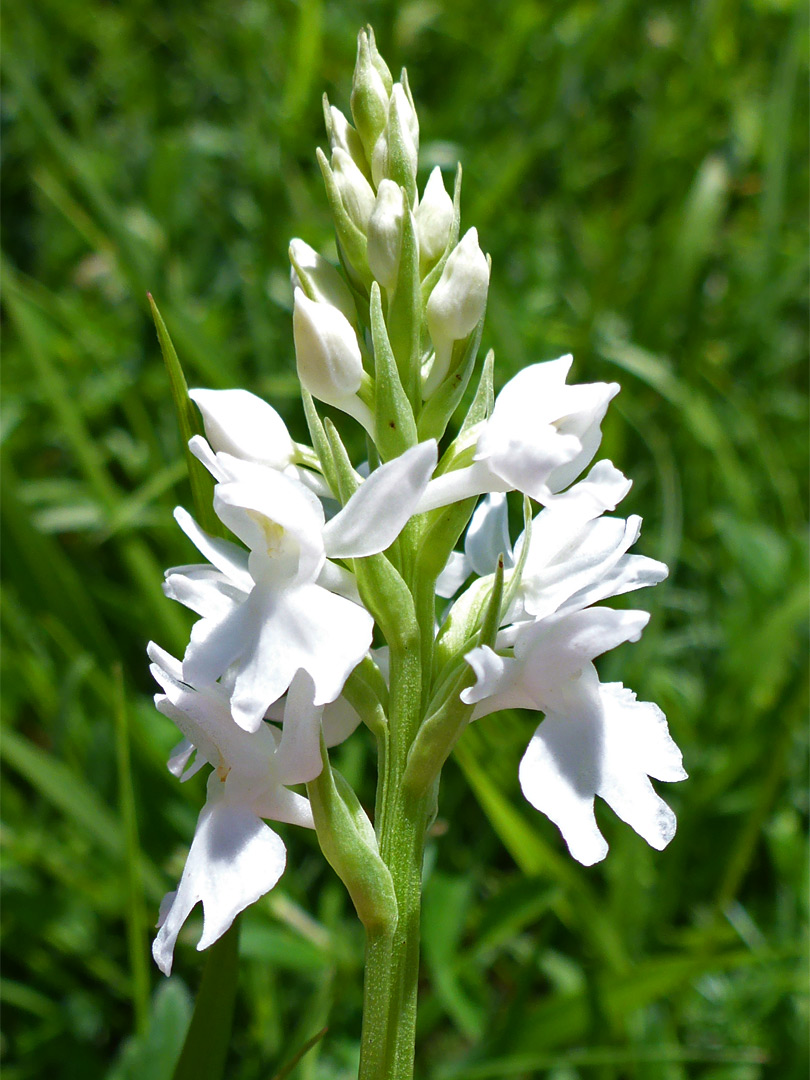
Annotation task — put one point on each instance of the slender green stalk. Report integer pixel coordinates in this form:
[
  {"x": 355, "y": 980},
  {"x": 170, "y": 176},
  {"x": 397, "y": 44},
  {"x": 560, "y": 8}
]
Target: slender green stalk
[{"x": 392, "y": 958}]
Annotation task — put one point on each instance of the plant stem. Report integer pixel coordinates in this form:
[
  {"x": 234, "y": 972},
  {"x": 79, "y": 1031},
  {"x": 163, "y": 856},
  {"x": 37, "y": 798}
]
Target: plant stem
[{"x": 392, "y": 958}]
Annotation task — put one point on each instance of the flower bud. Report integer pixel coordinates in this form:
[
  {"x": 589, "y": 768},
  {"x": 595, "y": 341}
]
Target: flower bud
[
  {"x": 434, "y": 219},
  {"x": 318, "y": 279},
  {"x": 343, "y": 135},
  {"x": 369, "y": 100},
  {"x": 356, "y": 192},
  {"x": 396, "y": 152},
  {"x": 329, "y": 363},
  {"x": 456, "y": 303},
  {"x": 385, "y": 233},
  {"x": 381, "y": 67}
]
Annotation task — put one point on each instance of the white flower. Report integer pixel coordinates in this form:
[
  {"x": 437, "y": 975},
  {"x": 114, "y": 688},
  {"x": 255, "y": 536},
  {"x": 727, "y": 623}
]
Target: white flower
[
  {"x": 434, "y": 219},
  {"x": 385, "y": 233},
  {"x": 234, "y": 857},
  {"x": 541, "y": 435},
  {"x": 329, "y": 362},
  {"x": 596, "y": 739},
  {"x": 324, "y": 283},
  {"x": 456, "y": 304},
  {"x": 356, "y": 193},
  {"x": 269, "y": 611}
]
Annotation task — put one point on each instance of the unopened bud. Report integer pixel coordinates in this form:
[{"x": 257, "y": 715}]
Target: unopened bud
[
  {"x": 456, "y": 303},
  {"x": 434, "y": 219},
  {"x": 385, "y": 233},
  {"x": 396, "y": 152},
  {"x": 382, "y": 68},
  {"x": 329, "y": 363},
  {"x": 318, "y": 279},
  {"x": 369, "y": 100},
  {"x": 343, "y": 135},
  {"x": 356, "y": 192}
]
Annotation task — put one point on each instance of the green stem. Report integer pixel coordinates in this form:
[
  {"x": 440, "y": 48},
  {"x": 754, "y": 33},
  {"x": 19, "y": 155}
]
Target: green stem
[{"x": 392, "y": 958}]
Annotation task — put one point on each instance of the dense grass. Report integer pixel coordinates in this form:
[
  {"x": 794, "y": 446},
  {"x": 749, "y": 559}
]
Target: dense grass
[{"x": 639, "y": 175}]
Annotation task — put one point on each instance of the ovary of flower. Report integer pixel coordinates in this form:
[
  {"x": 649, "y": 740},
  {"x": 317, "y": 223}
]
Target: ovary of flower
[
  {"x": 542, "y": 433},
  {"x": 595, "y": 740},
  {"x": 234, "y": 857},
  {"x": 265, "y": 612}
]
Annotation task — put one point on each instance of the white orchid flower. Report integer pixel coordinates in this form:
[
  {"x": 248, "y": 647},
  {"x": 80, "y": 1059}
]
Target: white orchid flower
[
  {"x": 270, "y": 610},
  {"x": 234, "y": 857},
  {"x": 595, "y": 740},
  {"x": 541, "y": 435}
]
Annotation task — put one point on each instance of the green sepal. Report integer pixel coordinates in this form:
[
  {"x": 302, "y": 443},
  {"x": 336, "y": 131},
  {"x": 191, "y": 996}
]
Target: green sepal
[
  {"x": 447, "y": 714},
  {"x": 443, "y": 402},
  {"x": 435, "y": 273},
  {"x": 461, "y": 451},
  {"x": 202, "y": 483},
  {"x": 405, "y": 312},
  {"x": 516, "y": 574},
  {"x": 400, "y": 164},
  {"x": 320, "y": 442},
  {"x": 347, "y": 480},
  {"x": 352, "y": 241},
  {"x": 483, "y": 403},
  {"x": 367, "y": 693},
  {"x": 369, "y": 112},
  {"x": 349, "y": 843},
  {"x": 394, "y": 424},
  {"x": 376, "y": 58}
]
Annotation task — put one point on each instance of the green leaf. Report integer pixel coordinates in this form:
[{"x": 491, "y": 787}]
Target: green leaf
[
  {"x": 205, "y": 1049},
  {"x": 202, "y": 483}
]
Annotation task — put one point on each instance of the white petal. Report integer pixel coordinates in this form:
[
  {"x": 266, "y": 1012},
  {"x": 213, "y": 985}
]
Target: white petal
[
  {"x": 227, "y": 557},
  {"x": 498, "y": 683},
  {"x": 559, "y": 775},
  {"x": 338, "y": 579},
  {"x": 298, "y": 758},
  {"x": 610, "y": 751},
  {"x": 280, "y": 804},
  {"x": 203, "y": 589},
  {"x": 458, "y": 484},
  {"x": 239, "y": 423},
  {"x": 180, "y": 757},
  {"x": 301, "y": 627},
  {"x": 234, "y": 859},
  {"x": 455, "y": 573},
  {"x": 381, "y": 507},
  {"x": 339, "y": 721},
  {"x": 216, "y": 643},
  {"x": 277, "y": 517},
  {"x": 488, "y": 535}
]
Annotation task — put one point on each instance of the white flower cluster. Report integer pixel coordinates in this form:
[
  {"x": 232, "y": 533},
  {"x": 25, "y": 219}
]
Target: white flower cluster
[{"x": 286, "y": 614}]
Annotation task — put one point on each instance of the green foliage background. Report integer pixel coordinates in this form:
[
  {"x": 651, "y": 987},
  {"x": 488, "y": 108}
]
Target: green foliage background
[{"x": 639, "y": 174}]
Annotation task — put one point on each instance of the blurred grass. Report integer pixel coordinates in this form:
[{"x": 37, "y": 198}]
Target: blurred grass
[{"x": 639, "y": 175}]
